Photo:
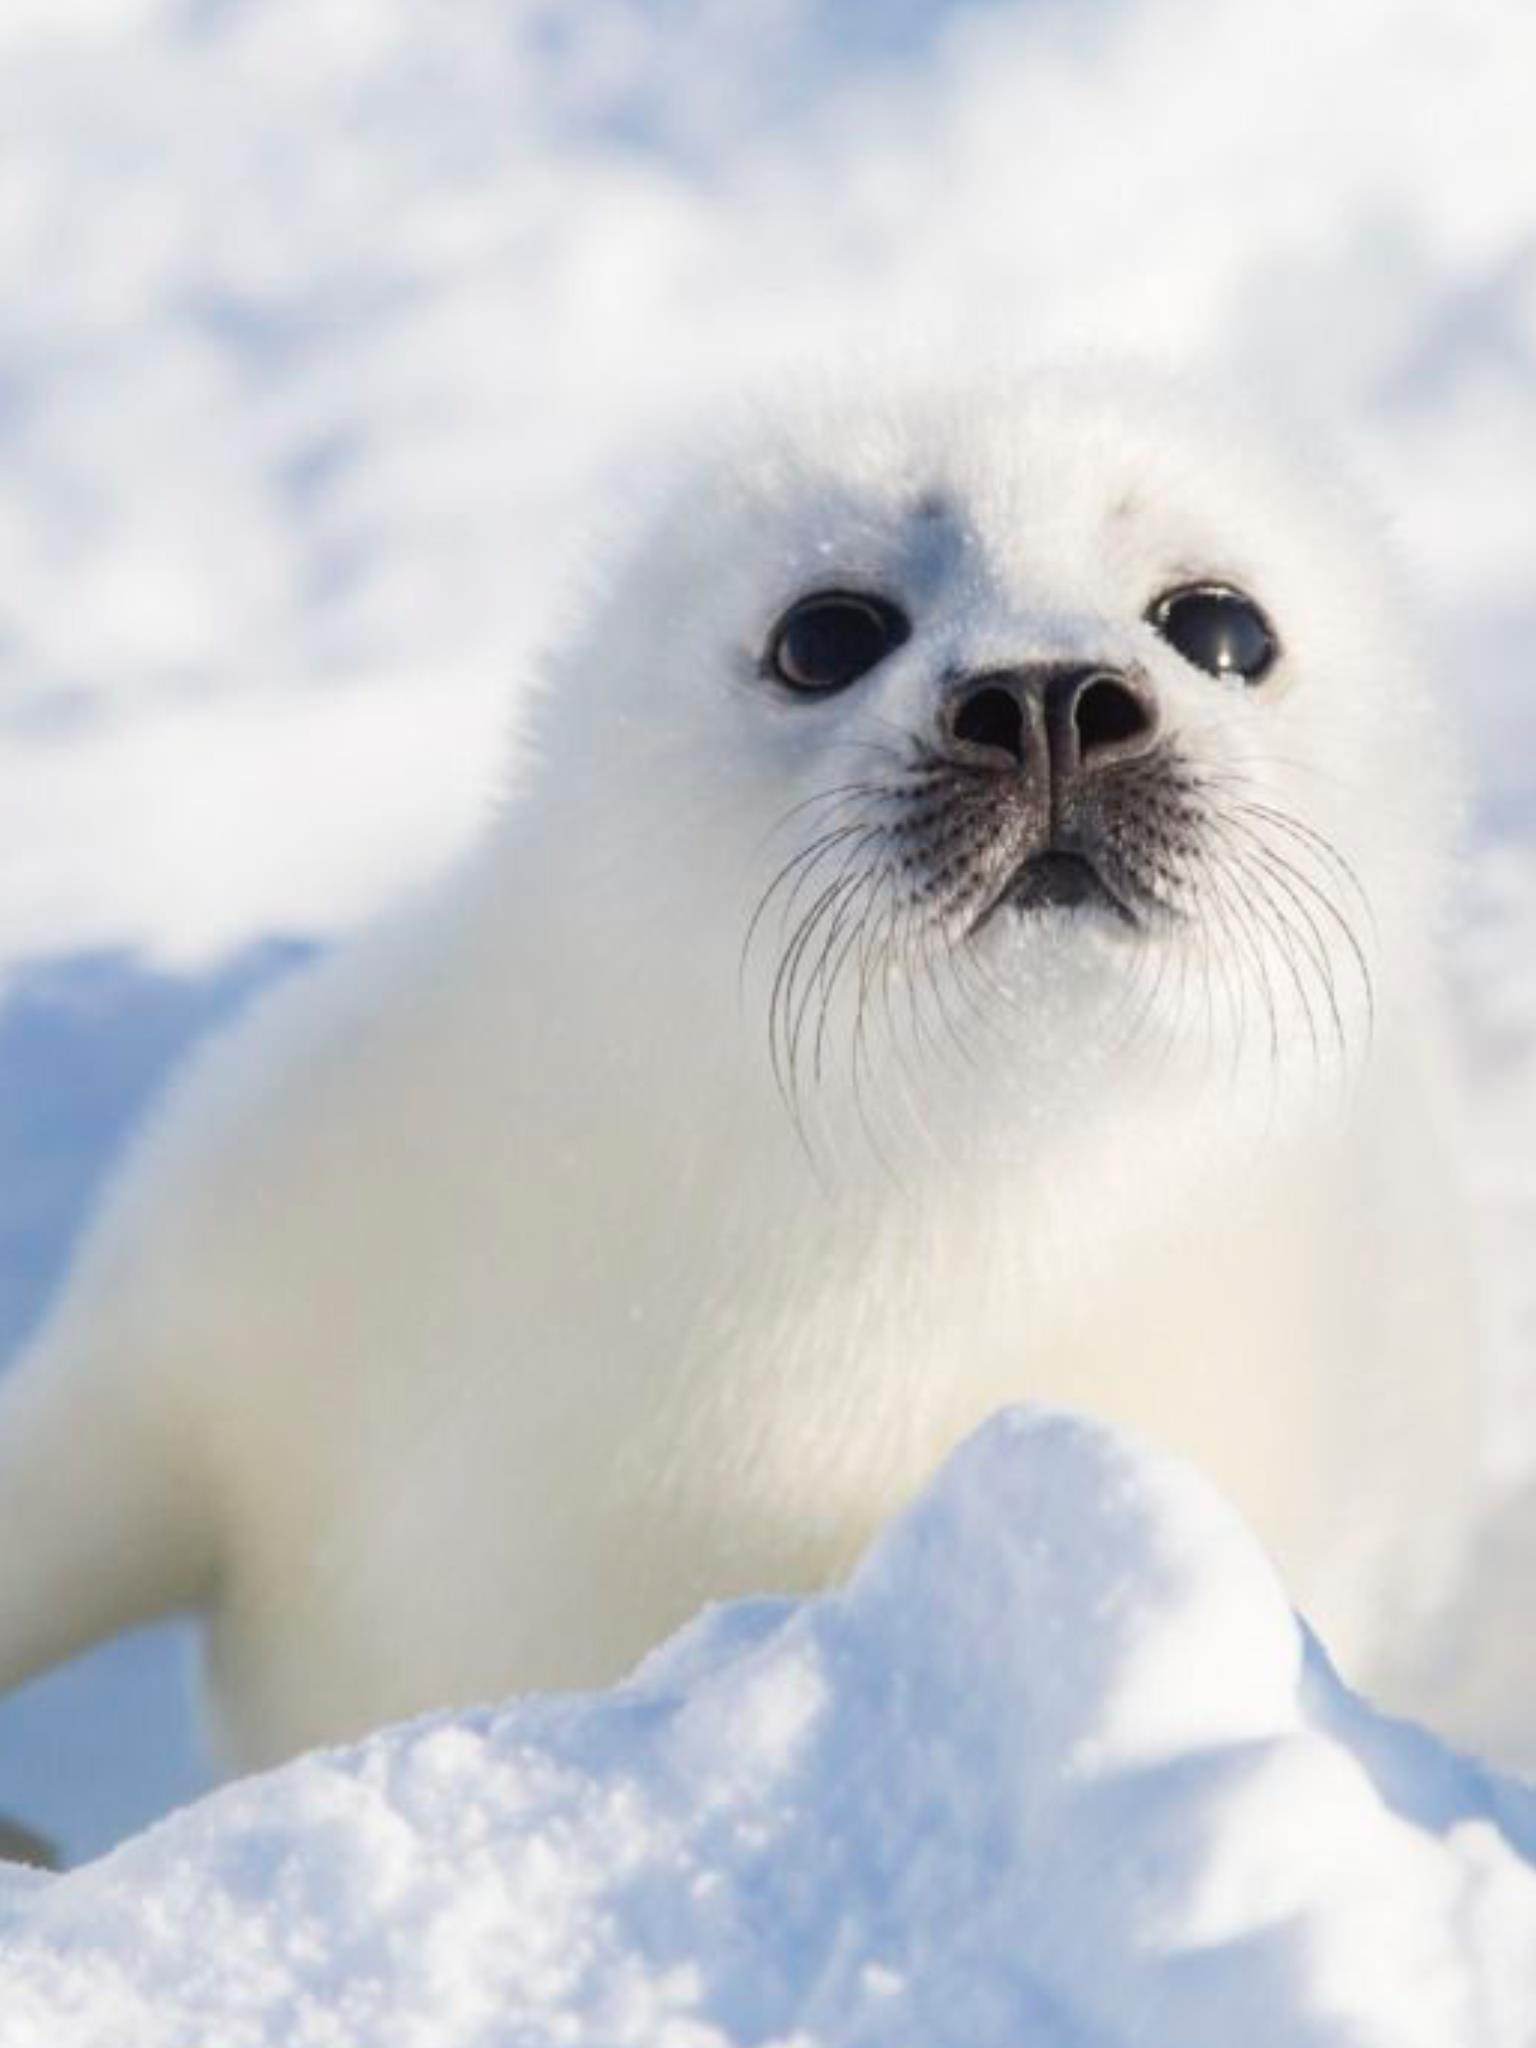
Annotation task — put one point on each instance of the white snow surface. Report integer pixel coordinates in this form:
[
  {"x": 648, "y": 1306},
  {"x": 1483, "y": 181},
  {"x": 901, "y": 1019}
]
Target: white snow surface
[{"x": 1057, "y": 1767}]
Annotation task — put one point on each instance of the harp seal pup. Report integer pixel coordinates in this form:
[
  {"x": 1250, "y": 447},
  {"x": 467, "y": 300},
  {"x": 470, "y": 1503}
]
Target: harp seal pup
[{"x": 962, "y": 932}]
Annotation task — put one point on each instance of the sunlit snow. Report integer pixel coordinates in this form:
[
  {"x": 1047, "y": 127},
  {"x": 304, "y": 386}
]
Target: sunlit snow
[{"x": 1059, "y": 1766}]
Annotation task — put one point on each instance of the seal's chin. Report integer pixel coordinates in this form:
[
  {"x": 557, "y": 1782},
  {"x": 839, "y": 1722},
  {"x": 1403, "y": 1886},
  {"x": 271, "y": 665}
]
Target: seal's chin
[{"x": 1060, "y": 878}]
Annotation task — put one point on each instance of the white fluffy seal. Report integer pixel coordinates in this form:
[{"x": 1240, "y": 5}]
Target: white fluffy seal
[{"x": 963, "y": 934}]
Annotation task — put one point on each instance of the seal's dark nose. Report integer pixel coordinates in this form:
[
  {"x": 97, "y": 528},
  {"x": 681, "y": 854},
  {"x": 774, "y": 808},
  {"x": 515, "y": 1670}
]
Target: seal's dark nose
[
  {"x": 1096, "y": 716},
  {"x": 1085, "y": 717}
]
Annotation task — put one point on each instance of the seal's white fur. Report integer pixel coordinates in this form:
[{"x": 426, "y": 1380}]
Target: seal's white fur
[{"x": 479, "y": 1307}]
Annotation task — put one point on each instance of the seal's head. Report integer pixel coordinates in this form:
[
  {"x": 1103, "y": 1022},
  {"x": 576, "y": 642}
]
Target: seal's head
[{"x": 1064, "y": 721}]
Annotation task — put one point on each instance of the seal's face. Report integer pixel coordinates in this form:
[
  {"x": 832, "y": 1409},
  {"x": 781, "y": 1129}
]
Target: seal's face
[
  {"x": 1045, "y": 786},
  {"x": 1061, "y": 710}
]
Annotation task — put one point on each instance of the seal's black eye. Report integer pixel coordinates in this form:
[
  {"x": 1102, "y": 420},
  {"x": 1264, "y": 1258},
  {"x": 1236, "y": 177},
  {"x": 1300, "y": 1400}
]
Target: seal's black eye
[
  {"x": 1218, "y": 629},
  {"x": 826, "y": 642}
]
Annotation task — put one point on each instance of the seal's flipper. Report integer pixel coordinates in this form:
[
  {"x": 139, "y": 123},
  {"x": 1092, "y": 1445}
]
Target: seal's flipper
[
  {"x": 20, "y": 1845},
  {"x": 97, "y": 1526}
]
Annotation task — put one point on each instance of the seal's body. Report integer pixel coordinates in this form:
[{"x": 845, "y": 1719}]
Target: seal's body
[{"x": 963, "y": 936}]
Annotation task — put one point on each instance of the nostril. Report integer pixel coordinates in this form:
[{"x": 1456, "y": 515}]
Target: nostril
[
  {"x": 991, "y": 718},
  {"x": 1107, "y": 714}
]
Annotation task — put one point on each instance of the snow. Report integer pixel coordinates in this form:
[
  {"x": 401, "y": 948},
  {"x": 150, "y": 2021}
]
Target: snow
[
  {"x": 1058, "y": 1765},
  {"x": 329, "y": 324}
]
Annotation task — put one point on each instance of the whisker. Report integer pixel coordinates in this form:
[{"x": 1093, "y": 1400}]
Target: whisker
[
  {"x": 1250, "y": 923},
  {"x": 1307, "y": 935},
  {"x": 1275, "y": 922},
  {"x": 830, "y": 968},
  {"x": 807, "y": 859},
  {"x": 782, "y": 1043},
  {"x": 1324, "y": 903},
  {"x": 1292, "y": 826}
]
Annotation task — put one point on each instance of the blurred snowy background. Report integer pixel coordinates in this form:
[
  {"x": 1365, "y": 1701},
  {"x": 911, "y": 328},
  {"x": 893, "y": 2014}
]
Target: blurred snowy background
[{"x": 325, "y": 322}]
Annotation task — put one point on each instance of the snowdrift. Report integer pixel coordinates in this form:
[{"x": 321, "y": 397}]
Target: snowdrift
[{"x": 1058, "y": 1766}]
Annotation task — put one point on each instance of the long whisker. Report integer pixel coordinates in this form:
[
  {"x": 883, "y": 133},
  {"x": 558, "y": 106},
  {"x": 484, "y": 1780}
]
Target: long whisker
[
  {"x": 1272, "y": 917},
  {"x": 1257, "y": 859},
  {"x": 1250, "y": 922},
  {"x": 806, "y": 861},
  {"x": 1325, "y": 906},
  {"x": 782, "y": 1037}
]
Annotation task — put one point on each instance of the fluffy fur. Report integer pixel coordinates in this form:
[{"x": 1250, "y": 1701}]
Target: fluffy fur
[{"x": 638, "y": 1220}]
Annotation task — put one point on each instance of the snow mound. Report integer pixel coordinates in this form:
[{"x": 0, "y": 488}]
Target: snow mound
[{"x": 1058, "y": 1766}]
